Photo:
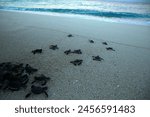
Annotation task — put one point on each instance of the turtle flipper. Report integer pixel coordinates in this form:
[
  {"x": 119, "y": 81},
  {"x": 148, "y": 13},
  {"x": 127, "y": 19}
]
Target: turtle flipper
[
  {"x": 28, "y": 95},
  {"x": 46, "y": 94}
]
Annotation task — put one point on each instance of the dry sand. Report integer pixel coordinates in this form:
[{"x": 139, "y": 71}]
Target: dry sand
[{"x": 124, "y": 73}]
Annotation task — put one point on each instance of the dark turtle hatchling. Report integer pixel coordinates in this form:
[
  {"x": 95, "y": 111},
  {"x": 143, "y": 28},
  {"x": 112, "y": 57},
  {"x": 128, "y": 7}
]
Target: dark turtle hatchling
[
  {"x": 91, "y": 41},
  {"x": 70, "y": 35},
  {"x": 77, "y": 51},
  {"x": 37, "y": 51},
  {"x": 97, "y": 58},
  {"x": 67, "y": 52},
  {"x": 2, "y": 64},
  {"x": 104, "y": 43},
  {"x": 12, "y": 76},
  {"x": 42, "y": 78},
  {"x": 53, "y": 47},
  {"x": 18, "y": 68},
  {"x": 77, "y": 62},
  {"x": 37, "y": 90},
  {"x": 29, "y": 69},
  {"x": 7, "y": 66},
  {"x": 14, "y": 85},
  {"x": 110, "y": 48},
  {"x": 15, "y": 82}
]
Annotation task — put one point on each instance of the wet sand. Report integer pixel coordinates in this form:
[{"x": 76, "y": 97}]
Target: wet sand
[{"x": 123, "y": 74}]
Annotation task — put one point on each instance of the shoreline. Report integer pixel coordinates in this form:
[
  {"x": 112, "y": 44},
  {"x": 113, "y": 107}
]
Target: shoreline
[
  {"x": 122, "y": 75},
  {"x": 144, "y": 29},
  {"x": 111, "y": 20}
]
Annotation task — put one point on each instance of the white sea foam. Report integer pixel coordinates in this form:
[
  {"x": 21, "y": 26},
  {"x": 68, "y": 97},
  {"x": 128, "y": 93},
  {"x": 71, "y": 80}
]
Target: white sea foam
[{"x": 107, "y": 10}]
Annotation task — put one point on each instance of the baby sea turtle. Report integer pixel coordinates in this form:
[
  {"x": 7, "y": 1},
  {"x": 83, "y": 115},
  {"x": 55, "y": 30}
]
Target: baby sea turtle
[
  {"x": 91, "y": 41},
  {"x": 18, "y": 68},
  {"x": 37, "y": 51},
  {"x": 70, "y": 35},
  {"x": 2, "y": 64},
  {"x": 110, "y": 48},
  {"x": 77, "y": 51},
  {"x": 53, "y": 47},
  {"x": 7, "y": 66},
  {"x": 105, "y": 43},
  {"x": 97, "y": 58},
  {"x": 37, "y": 90},
  {"x": 14, "y": 76},
  {"x": 67, "y": 52},
  {"x": 42, "y": 78},
  {"x": 29, "y": 69},
  {"x": 77, "y": 62},
  {"x": 14, "y": 83}
]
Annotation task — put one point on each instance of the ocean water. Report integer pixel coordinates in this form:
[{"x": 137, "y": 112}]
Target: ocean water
[{"x": 127, "y": 11}]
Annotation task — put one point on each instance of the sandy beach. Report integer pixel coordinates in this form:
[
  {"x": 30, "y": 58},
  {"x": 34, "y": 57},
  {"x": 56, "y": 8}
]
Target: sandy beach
[{"x": 123, "y": 74}]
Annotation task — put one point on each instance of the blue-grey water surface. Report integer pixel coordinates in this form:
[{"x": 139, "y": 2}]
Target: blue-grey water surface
[{"x": 133, "y": 11}]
